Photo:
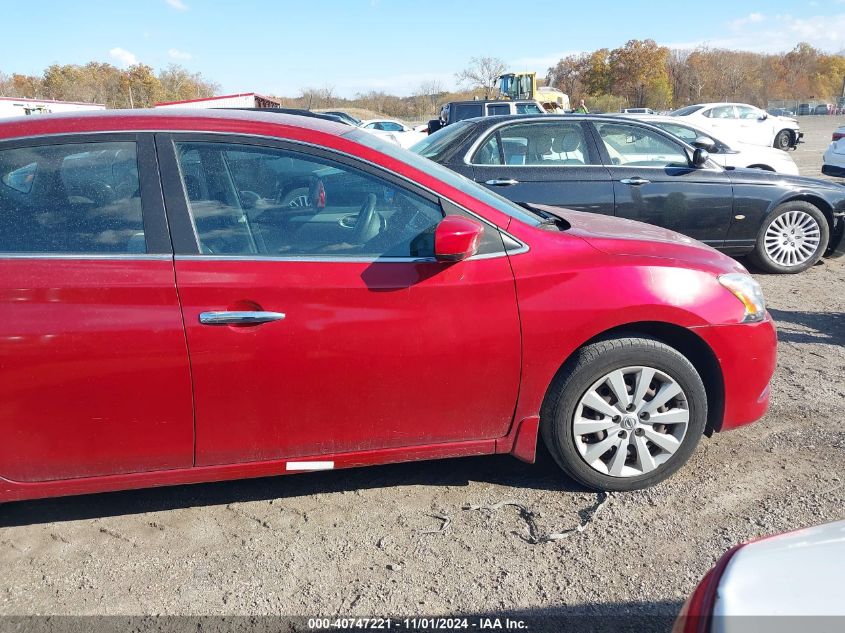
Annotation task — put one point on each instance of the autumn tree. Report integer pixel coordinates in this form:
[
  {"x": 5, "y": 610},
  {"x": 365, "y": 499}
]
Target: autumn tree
[
  {"x": 638, "y": 73},
  {"x": 568, "y": 75},
  {"x": 179, "y": 84},
  {"x": 482, "y": 73}
]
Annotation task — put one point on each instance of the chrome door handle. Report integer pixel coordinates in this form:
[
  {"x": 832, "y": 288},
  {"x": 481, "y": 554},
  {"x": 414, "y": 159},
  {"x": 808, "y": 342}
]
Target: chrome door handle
[
  {"x": 239, "y": 318},
  {"x": 501, "y": 182},
  {"x": 636, "y": 181}
]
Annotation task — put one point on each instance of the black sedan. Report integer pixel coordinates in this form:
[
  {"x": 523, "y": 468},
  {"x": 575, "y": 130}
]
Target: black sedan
[{"x": 618, "y": 166}]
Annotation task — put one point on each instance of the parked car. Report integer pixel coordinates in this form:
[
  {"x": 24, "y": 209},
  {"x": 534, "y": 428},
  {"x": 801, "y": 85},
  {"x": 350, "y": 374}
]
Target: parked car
[
  {"x": 834, "y": 158},
  {"x": 745, "y": 123},
  {"x": 780, "y": 112},
  {"x": 727, "y": 153},
  {"x": 459, "y": 110},
  {"x": 628, "y": 168},
  {"x": 404, "y": 134},
  {"x": 190, "y": 296},
  {"x": 823, "y": 108},
  {"x": 804, "y": 109},
  {"x": 345, "y": 117},
  {"x": 780, "y": 583}
]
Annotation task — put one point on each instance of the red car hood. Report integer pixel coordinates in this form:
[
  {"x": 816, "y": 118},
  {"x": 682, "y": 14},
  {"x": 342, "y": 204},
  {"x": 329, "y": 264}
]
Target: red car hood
[{"x": 618, "y": 236}]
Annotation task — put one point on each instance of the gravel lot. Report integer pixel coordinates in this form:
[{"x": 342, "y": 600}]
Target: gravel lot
[{"x": 357, "y": 542}]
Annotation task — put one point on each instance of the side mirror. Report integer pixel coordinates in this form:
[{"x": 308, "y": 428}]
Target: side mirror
[
  {"x": 456, "y": 238},
  {"x": 434, "y": 125},
  {"x": 700, "y": 156},
  {"x": 764, "y": 116},
  {"x": 704, "y": 142}
]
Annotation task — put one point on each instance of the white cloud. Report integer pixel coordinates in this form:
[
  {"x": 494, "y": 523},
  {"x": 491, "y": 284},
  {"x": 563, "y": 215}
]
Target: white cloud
[
  {"x": 177, "y": 4},
  {"x": 778, "y": 33},
  {"x": 122, "y": 56},
  {"x": 175, "y": 53}
]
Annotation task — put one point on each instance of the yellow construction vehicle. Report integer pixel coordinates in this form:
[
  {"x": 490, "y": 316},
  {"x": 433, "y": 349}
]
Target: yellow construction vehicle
[{"x": 523, "y": 85}]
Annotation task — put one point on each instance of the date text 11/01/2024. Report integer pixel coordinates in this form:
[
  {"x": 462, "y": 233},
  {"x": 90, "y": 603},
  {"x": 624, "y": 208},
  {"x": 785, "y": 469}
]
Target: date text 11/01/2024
[{"x": 418, "y": 624}]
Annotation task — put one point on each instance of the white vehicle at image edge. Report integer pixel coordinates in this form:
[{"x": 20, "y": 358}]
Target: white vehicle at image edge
[
  {"x": 744, "y": 123},
  {"x": 725, "y": 151},
  {"x": 833, "y": 163},
  {"x": 404, "y": 135},
  {"x": 754, "y": 585}
]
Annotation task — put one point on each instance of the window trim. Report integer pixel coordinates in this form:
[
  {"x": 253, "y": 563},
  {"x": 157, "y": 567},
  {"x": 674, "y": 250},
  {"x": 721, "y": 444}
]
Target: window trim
[
  {"x": 156, "y": 233},
  {"x": 183, "y": 234}
]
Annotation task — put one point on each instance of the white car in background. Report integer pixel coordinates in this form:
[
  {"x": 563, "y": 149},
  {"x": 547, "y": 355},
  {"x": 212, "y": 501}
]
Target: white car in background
[
  {"x": 727, "y": 153},
  {"x": 404, "y": 135},
  {"x": 833, "y": 163},
  {"x": 745, "y": 123}
]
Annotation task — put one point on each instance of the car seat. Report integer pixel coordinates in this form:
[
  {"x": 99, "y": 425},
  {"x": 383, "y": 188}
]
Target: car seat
[{"x": 569, "y": 143}]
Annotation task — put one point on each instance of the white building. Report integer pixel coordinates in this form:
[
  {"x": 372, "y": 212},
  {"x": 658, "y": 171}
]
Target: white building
[
  {"x": 17, "y": 106},
  {"x": 243, "y": 100}
]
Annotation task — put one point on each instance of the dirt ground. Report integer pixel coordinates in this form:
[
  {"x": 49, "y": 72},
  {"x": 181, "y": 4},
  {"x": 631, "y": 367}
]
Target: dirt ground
[{"x": 361, "y": 542}]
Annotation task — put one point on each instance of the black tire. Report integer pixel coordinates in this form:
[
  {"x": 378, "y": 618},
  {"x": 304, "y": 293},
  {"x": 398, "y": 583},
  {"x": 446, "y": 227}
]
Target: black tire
[
  {"x": 589, "y": 365},
  {"x": 783, "y": 140},
  {"x": 766, "y": 262}
]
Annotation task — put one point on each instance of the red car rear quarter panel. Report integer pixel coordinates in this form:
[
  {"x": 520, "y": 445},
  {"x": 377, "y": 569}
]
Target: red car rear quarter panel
[{"x": 569, "y": 292}]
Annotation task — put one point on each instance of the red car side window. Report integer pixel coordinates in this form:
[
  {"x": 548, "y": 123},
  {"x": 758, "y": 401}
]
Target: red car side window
[{"x": 250, "y": 200}]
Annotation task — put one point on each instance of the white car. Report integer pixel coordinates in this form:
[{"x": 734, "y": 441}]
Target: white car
[
  {"x": 778, "y": 584},
  {"x": 745, "y": 123},
  {"x": 833, "y": 163},
  {"x": 728, "y": 153},
  {"x": 404, "y": 135}
]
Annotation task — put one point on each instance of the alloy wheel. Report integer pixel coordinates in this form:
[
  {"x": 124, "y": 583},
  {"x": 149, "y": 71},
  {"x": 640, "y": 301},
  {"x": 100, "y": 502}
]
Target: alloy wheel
[{"x": 792, "y": 238}]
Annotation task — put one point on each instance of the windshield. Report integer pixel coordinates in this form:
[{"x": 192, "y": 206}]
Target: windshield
[
  {"x": 687, "y": 110},
  {"x": 451, "y": 178}
]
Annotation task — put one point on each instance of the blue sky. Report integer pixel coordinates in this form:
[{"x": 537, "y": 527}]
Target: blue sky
[{"x": 281, "y": 46}]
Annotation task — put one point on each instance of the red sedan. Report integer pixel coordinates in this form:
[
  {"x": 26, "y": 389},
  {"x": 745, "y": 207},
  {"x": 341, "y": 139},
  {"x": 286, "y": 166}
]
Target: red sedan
[{"x": 201, "y": 296}]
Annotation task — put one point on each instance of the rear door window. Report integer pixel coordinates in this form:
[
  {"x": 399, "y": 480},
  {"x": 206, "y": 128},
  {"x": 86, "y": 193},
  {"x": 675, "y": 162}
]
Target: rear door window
[
  {"x": 71, "y": 198},
  {"x": 495, "y": 109},
  {"x": 463, "y": 111},
  {"x": 537, "y": 143},
  {"x": 721, "y": 112}
]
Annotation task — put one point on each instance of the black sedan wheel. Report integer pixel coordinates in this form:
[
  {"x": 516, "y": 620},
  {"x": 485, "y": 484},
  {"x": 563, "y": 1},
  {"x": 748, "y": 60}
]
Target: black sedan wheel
[{"x": 792, "y": 238}]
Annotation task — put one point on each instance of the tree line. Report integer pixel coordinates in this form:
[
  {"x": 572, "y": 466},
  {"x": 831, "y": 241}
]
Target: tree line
[
  {"x": 138, "y": 86},
  {"x": 642, "y": 73}
]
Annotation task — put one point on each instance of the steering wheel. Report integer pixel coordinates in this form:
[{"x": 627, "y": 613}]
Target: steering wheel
[{"x": 368, "y": 223}]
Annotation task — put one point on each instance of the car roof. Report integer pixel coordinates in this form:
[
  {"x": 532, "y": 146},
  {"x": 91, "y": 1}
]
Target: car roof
[
  {"x": 545, "y": 118},
  {"x": 486, "y": 101},
  {"x": 159, "y": 119}
]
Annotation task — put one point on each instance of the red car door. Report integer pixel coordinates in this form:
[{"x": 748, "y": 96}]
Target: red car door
[
  {"x": 94, "y": 376},
  {"x": 317, "y": 323}
]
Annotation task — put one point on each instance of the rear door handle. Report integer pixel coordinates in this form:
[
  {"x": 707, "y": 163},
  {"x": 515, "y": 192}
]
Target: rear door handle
[
  {"x": 239, "y": 318},
  {"x": 636, "y": 181},
  {"x": 501, "y": 182}
]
